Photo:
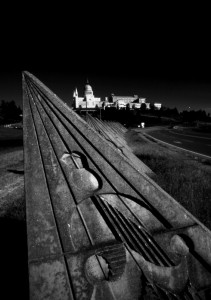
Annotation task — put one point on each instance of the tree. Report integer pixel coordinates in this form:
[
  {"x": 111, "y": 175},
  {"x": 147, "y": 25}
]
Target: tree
[
  {"x": 174, "y": 113},
  {"x": 10, "y": 112},
  {"x": 143, "y": 107},
  {"x": 152, "y": 107},
  {"x": 191, "y": 116}
]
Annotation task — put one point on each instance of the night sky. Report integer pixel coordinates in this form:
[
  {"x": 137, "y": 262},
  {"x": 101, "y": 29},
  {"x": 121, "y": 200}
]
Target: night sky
[{"x": 162, "y": 57}]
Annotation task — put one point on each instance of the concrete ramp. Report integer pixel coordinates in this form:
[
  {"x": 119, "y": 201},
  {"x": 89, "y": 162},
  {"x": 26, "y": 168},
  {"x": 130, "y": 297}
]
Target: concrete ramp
[
  {"x": 113, "y": 133},
  {"x": 97, "y": 226}
]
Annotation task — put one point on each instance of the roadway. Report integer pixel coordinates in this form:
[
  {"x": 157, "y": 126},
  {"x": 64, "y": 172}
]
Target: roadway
[{"x": 192, "y": 141}]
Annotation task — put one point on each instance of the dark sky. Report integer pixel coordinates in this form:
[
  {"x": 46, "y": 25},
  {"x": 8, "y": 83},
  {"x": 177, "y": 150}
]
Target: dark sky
[{"x": 164, "y": 57}]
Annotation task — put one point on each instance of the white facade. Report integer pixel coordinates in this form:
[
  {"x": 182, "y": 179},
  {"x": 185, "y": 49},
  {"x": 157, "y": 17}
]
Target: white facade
[
  {"x": 157, "y": 105},
  {"x": 88, "y": 101},
  {"x": 132, "y": 101}
]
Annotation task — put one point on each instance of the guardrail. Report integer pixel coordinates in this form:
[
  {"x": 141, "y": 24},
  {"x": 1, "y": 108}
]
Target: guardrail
[{"x": 97, "y": 227}]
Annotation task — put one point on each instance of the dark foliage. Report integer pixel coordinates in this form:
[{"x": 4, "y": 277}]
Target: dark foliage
[
  {"x": 192, "y": 116},
  {"x": 10, "y": 112},
  {"x": 133, "y": 117},
  {"x": 153, "y": 116}
]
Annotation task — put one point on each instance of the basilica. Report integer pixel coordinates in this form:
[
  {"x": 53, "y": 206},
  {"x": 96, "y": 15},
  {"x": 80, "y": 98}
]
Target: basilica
[{"x": 90, "y": 102}]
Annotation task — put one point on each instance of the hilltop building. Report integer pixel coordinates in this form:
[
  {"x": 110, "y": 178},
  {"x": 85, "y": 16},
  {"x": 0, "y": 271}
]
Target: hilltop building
[
  {"x": 88, "y": 101},
  {"x": 157, "y": 105},
  {"x": 127, "y": 101}
]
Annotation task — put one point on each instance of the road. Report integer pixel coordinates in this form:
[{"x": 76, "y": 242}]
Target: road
[{"x": 191, "y": 141}]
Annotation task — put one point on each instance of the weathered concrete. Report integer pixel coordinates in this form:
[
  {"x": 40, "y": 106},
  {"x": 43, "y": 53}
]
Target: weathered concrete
[
  {"x": 113, "y": 135},
  {"x": 98, "y": 228}
]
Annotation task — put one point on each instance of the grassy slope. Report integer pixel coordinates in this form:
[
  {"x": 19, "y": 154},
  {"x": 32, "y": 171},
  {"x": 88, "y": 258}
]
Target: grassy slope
[
  {"x": 184, "y": 178},
  {"x": 10, "y": 138},
  {"x": 11, "y": 185},
  {"x": 13, "y": 250}
]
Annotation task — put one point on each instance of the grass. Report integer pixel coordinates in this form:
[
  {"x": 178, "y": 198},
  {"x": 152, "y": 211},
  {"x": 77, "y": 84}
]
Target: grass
[
  {"x": 11, "y": 178},
  {"x": 13, "y": 250},
  {"x": 186, "y": 180},
  {"x": 10, "y": 138},
  {"x": 10, "y": 133}
]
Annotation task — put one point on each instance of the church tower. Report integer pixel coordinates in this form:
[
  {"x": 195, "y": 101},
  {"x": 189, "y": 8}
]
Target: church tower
[
  {"x": 75, "y": 93},
  {"x": 75, "y": 98}
]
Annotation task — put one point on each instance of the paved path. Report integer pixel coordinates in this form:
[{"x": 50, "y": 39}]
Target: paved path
[{"x": 190, "y": 141}]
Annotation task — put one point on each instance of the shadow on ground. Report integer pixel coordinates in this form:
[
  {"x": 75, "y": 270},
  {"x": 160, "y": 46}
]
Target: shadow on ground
[
  {"x": 13, "y": 255},
  {"x": 20, "y": 172},
  {"x": 11, "y": 143}
]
